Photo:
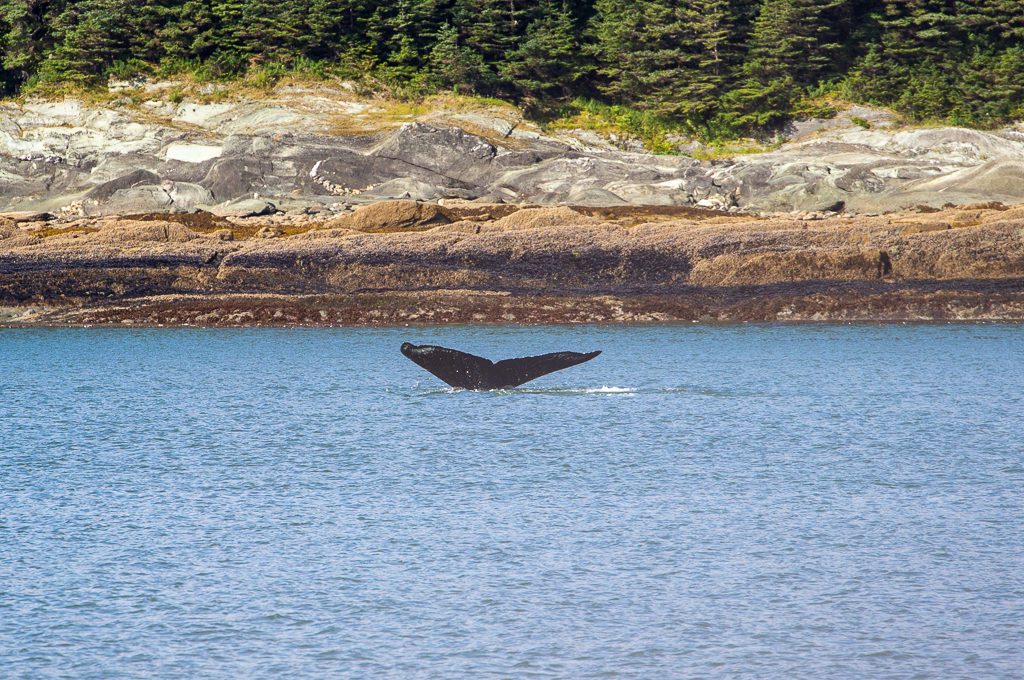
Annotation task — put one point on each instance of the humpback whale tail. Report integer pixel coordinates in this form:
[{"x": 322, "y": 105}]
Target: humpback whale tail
[{"x": 460, "y": 369}]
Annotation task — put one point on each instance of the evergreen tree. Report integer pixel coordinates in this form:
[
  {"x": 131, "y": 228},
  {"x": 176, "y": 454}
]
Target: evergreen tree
[
  {"x": 335, "y": 26},
  {"x": 188, "y": 31},
  {"x": 397, "y": 33},
  {"x": 546, "y": 61},
  {"x": 229, "y": 36},
  {"x": 276, "y": 31},
  {"x": 789, "y": 50},
  {"x": 89, "y": 36},
  {"x": 491, "y": 27},
  {"x": 617, "y": 31},
  {"x": 28, "y": 35},
  {"x": 456, "y": 66},
  {"x": 688, "y": 53},
  {"x": 919, "y": 31},
  {"x": 142, "y": 28},
  {"x": 1001, "y": 20}
]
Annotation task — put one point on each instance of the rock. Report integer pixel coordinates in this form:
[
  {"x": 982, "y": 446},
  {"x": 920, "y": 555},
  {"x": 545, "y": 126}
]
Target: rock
[
  {"x": 192, "y": 153},
  {"x": 150, "y": 198},
  {"x": 125, "y": 232},
  {"x": 407, "y": 188},
  {"x": 449, "y": 152},
  {"x": 392, "y": 216},
  {"x": 187, "y": 196},
  {"x": 144, "y": 198},
  {"x": 244, "y": 207},
  {"x": 232, "y": 178},
  {"x": 498, "y": 125},
  {"x": 594, "y": 197},
  {"x": 19, "y": 217},
  {"x": 107, "y": 189},
  {"x": 99, "y": 160},
  {"x": 547, "y": 264}
]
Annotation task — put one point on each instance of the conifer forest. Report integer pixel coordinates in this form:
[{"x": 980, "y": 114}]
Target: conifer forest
[{"x": 712, "y": 65}]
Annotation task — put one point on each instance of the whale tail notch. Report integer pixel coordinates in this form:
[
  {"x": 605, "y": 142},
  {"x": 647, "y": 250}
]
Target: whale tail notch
[{"x": 471, "y": 372}]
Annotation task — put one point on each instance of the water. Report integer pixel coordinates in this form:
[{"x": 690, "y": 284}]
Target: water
[{"x": 733, "y": 502}]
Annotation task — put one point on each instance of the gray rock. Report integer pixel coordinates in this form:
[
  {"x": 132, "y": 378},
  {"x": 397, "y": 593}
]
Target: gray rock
[
  {"x": 187, "y": 196},
  {"x": 147, "y": 198},
  {"x": 136, "y": 200},
  {"x": 54, "y": 154},
  {"x": 405, "y": 187},
  {"x": 448, "y": 152},
  {"x": 244, "y": 207},
  {"x": 107, "y": 189},
  {"x": 594, "y": 197},
  {"x": 231, "y": 178},
  {"x": 20, "y": 217}
]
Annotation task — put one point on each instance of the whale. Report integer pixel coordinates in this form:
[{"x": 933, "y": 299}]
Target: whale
[{"x": 471, "y": 372}]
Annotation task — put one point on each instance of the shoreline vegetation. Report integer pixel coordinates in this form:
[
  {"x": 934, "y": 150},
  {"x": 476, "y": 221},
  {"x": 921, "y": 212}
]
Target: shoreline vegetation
[{"x": 711, "y": 70}]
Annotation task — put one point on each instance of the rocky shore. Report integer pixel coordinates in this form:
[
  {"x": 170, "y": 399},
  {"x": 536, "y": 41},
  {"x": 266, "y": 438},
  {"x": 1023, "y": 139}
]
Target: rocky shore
[
  {"x": 316, "y": 206},
  {"x": 320, "y": 149},
  {"x": 405, "y": 261}
]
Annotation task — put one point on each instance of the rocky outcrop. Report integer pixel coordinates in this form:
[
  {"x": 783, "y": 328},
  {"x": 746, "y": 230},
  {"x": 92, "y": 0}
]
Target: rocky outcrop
[
  {"x": 317, "y": 148},
  {"x": 403, "y": 262}
]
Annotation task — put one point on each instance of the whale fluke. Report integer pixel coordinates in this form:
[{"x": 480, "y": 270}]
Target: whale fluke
[{"x": 460, "y": 369}]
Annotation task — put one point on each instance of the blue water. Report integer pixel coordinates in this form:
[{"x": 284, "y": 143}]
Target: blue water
[{"x": 713, "y": 502}]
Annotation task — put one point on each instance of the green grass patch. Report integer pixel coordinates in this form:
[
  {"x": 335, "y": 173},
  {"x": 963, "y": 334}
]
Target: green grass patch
[{"x": 614, "y": 119}]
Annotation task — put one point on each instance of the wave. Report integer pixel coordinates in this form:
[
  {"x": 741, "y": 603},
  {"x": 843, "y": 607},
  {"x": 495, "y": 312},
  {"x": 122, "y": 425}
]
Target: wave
[{"x": 602, "y": 390}]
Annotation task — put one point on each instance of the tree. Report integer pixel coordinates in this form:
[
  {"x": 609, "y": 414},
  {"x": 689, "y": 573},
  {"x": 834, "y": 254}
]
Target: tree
[
  {"x": 789, "y": 51},
  {"x": 491, "y": 27},
  {"x": 335, "y": 27},
  {"x": 456, "y": 66},
  {"x": 88, "y": 37},
  {"x": 617, "y": 31},
  {"x": 546, "y": 61},
  {"x": 28, "y": 35},
  {"x": 687, "y": 53},
  {"x": 275, "y": 31},
  {"x": 188, "y": 30}
]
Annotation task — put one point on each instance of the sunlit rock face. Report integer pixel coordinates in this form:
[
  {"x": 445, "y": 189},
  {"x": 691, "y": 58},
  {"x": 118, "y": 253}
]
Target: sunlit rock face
[{"x": 316, "y": 149}]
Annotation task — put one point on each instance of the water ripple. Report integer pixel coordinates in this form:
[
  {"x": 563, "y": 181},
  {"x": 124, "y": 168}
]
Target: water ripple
[{"x": 752, "y": 501}]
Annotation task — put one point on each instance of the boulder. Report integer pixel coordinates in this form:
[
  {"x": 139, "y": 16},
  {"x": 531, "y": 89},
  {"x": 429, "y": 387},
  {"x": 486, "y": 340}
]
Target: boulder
[
  {"x": 127, "y": 231},
  {"x": 107, "y": 189},
  {"x": 244, "y": 207},
  {"x": 392, "y": 216},
  {"x": 346, "y": 173},
  {"x": 22, "y": 216},
  {"x": 138, "y": 199},
  {"x": 187, "y": 196},
  {"x": 407, "y": 188},
  {"x": 150, "y": 198},
  {"x": 449, "y": 152},
  {"x": 231, "y": 178},
  {"x": 595, "y": 197}
]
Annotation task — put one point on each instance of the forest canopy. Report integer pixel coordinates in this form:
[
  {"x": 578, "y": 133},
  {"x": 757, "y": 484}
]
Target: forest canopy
[{"x": 720, "y": 65}]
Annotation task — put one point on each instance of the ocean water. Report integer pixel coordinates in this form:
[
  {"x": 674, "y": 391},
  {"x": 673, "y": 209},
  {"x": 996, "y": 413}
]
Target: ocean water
[{"x": 697, "y": 502}]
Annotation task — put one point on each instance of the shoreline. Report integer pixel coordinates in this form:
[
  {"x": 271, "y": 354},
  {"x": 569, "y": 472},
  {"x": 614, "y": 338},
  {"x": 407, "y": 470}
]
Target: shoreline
[
  {"x": 403, "y": 262},
  {"x": 997, "y": 302}
]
